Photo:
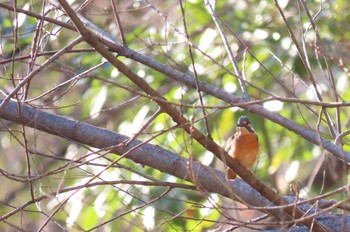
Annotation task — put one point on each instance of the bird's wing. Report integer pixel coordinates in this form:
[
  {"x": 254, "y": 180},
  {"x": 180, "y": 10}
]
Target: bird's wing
[{"x": 229, "y": 143}]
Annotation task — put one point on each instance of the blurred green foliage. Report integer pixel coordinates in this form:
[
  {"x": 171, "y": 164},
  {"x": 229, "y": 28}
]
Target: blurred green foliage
[{"x": 106, "y": 98}]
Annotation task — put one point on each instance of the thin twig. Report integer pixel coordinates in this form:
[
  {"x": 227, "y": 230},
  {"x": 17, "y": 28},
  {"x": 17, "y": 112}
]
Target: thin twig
[
  {"x": 144, "y": 126},
  {"x": 334, "y": 130},
  {"x": 41, "y": 67},
  {"x": 120, "y": 26},
  {"x": 194, "y": 70},
  {"x": 304, "y": 58},
  {"x": 238, "y": 73}
]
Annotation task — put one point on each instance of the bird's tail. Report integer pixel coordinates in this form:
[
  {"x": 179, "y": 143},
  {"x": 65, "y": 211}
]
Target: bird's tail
[{"x": 230, "y": 174}]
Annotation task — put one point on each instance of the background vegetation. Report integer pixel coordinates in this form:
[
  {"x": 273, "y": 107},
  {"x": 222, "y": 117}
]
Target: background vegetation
[{"x": 282, "y": 63}]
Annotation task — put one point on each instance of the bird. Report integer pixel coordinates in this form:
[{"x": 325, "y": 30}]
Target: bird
[{"x": 243, "y": 145}]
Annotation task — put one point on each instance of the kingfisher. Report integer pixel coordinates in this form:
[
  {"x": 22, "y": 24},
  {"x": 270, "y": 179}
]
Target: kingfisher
[{"x": 243, "y": 145}]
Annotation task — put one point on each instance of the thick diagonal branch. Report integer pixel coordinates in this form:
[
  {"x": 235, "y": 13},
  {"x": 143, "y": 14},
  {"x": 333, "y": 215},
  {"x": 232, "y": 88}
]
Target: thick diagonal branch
[{"x": 206, "y": 142}]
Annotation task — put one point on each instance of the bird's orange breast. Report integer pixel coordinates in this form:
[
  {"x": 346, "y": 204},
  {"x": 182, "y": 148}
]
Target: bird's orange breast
[{"x": 245, "y": 148}]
